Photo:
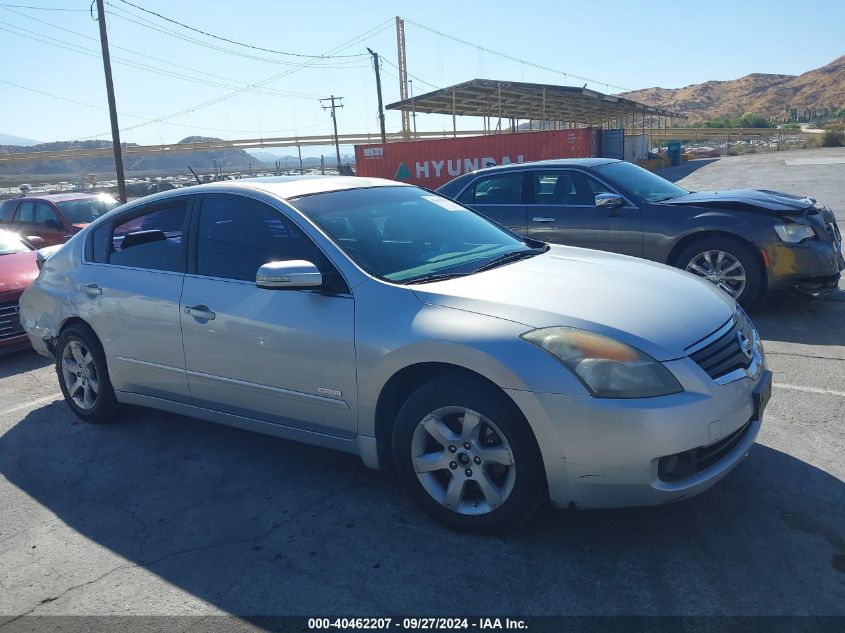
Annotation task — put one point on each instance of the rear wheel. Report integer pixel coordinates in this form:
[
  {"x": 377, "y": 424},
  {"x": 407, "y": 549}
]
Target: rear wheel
[
  {"x": 83, "y": 376},
  {"x": 467, "y": 456},
  {"x": 727, "y": 263}
]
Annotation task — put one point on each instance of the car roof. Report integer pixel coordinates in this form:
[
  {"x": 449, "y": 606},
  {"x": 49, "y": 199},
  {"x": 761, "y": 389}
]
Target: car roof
[
  {"x": 552, "y": 162},
  {"x": 62, "y": 197},
  {"x": 285, "y": 187}
]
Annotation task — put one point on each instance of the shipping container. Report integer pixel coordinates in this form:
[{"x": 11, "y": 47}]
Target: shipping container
[{"x": 432, "y": 163}]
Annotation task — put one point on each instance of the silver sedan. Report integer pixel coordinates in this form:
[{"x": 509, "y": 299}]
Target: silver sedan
[{"x": 493, "y": 372}]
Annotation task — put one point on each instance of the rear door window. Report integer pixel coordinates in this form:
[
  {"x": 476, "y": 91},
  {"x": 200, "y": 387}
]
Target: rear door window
[
  {"x": 7, "y": 210},
  {"x": 151, "y": 240},
  {"x": 45, "y": 216},
  {"x": 497, "y": 189}
]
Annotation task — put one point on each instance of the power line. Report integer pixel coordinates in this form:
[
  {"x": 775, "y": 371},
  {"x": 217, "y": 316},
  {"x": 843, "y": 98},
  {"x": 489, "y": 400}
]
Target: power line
[
  {"x": 70, "y": 46},
  {"x": 136, "y": 116},
  {"x": 152, "y": 57},
  {"x": 226, "y": 39},
  {"x": 348, "y": 44},
  {"x": 27, "y": 6},
  {"x": 141, "y": 21},
  {"x": 515, "y": 59},
  {"x": 427, "y": 83}
]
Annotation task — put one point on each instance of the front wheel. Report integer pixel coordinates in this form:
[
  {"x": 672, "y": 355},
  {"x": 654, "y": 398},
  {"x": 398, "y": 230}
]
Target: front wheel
[
  {"x": 467, "y": 456},
  {"x": 726, "y": 263},
  {"x": 83, "y": 375}
]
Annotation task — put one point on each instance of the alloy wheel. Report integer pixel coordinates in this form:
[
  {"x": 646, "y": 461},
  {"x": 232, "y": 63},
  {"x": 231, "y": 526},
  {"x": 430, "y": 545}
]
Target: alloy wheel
[
  {"x": 720, "y": 268},
  {"x": 80, "y": 375},
  {"x": 463, "y": 460}
]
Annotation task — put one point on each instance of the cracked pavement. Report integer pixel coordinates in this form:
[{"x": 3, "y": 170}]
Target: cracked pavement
[{"x": 158, "y": 514}]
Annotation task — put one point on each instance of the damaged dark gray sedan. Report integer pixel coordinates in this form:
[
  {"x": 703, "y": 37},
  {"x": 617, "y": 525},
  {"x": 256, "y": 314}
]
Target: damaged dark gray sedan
[{"x": 745, "y": 241}]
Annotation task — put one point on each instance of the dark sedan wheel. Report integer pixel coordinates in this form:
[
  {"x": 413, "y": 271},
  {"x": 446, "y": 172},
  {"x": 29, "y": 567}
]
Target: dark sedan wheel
[
  {"x": 727, "y": 263},
  {"x": 83, "y": 376},
  {"x": 467, "y": 456}
]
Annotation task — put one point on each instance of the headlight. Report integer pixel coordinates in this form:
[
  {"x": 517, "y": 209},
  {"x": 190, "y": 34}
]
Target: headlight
[
  {"x": 793, "y": 233},
  {"x": 608, "y": 368}
]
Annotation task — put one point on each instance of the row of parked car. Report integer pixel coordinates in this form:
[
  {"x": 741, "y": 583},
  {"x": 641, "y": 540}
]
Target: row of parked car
[{"x": 493, "y": 369}]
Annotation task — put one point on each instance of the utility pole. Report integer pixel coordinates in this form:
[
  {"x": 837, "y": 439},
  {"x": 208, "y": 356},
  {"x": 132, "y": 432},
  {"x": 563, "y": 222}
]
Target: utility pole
[
  {"x": 403, "y": 75},
  {"x": 299, "y": 151},
  {"x": 377, "y": 68},
  {"x": 334, "y": 107},
  {"x": 115, "y": 132}
]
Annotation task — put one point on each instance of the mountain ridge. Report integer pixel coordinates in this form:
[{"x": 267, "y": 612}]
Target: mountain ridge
[{"x": 772, "y": 95}]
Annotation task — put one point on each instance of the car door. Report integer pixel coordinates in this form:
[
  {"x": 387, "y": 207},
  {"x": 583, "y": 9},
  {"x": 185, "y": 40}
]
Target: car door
[
  {"x": 500, "y": 197},
  {"x": 562, "y": 210},
  {"x": 284, "y": 356},
  {"x": 128, "y": 290}
]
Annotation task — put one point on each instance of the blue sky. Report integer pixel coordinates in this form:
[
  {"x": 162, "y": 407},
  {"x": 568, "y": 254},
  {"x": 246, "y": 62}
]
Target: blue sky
[{"x": 626, "y": 44}]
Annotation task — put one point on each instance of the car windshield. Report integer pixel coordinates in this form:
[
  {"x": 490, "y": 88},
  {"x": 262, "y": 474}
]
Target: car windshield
[
  {"x": 640, "y": 182},
  {"x": 11, "y": 243},
  {"x": 86, "y": 210},
  {"x": 405, "y": 234}
]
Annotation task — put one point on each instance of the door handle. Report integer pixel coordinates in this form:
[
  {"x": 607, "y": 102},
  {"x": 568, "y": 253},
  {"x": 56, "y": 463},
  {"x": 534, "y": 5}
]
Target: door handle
[
  {"x": 200, "y": 312},
  {"x": 542, "y": 219},
  {"x": 92, "y": 290}
]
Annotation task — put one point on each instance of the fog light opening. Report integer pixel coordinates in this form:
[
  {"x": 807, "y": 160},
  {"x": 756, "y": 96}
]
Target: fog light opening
[{"x": 667, "y": 465}]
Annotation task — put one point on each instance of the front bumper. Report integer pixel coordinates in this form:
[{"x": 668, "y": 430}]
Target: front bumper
[
  {"x": 812, "y": 266},
  {"x": 601, "y": 453}
]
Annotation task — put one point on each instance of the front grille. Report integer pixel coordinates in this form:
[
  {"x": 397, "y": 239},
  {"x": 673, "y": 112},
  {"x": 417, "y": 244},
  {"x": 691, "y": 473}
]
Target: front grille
[
  {"x": 10, "y": 323},
  {"x": 678, "y": 467},
  {"x": 725, "y": 354}
]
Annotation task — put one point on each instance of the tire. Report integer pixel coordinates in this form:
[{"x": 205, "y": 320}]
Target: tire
[
  {"x": 497, "y": 435},
  {"x": 702, "y": 257},
  {"x": 81, "y": 362}
]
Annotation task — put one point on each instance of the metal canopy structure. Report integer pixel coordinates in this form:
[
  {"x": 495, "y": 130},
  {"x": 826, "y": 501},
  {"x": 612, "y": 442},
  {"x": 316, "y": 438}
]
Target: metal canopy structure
[{"x": 535, "y": 102}]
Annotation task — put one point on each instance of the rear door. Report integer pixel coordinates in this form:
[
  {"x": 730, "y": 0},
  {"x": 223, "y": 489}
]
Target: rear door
[
  {"x": 284, "y": 356},
  {"x": 129, "y": 291},
  {"x": 500, "y": 197},
  {"x": 562, "y": 210}
]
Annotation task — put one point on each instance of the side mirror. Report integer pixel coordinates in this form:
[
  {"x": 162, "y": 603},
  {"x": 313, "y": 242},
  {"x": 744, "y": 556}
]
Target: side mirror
[
  {"x": 34, "y": 240},
  {"x": 609, "y": 200},
  {"x": 289, "y": 274}
]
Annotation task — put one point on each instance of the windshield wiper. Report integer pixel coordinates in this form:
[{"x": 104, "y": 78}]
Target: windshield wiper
[
  {"x": 513, "y": 256},
  {"x": 433, "y": 277}
]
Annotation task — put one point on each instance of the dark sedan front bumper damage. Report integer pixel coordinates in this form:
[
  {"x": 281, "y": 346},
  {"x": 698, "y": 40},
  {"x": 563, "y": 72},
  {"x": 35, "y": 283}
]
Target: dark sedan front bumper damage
[{"x": 813, "y": 267}]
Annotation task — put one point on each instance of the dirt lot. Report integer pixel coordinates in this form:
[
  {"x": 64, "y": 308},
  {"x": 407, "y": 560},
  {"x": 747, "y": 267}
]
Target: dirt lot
[{"x": 160, "y": 514}]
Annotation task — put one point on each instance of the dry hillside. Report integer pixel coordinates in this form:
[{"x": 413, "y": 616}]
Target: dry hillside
[{"x": 769, "y": 95}]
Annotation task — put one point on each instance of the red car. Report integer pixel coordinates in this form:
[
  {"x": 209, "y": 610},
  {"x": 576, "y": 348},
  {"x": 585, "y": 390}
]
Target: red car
[
  {"x": 54, "y": 217},
  {"x": 18, "y": 268}
]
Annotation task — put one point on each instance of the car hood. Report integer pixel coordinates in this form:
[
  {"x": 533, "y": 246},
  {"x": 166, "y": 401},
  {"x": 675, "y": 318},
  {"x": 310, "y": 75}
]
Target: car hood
[
  {"x": 759, "y": 200},
  {"x": 658, "y": 309},
  {"x": 17, "y": 271}
]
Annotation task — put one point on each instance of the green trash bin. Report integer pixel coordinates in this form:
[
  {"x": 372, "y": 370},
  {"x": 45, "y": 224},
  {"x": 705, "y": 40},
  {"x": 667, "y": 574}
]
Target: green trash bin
[{"x": 674, "y": 151}]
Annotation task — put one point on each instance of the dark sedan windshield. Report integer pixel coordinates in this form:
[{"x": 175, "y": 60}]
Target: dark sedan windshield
[
  {"x": 11, "y": 243},
  {"x": 405, "y": 234},
  {"x": 86, "y": 210},
  {"x": 640, "y": 182}
]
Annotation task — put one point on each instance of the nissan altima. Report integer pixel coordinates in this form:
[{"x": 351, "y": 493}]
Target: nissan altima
[{"x": 492, "y": 372}]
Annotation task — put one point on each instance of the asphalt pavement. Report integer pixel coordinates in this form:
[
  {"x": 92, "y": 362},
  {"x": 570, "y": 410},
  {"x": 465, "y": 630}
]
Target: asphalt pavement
[{"x": 158, "y": 514}]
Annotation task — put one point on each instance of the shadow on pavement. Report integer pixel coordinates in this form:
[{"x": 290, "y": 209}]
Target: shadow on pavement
[
  {"x": 794, "y": 318},
  {"x": 679, "y": 172},
  {"x": 259, "y": 526},
  {"x": 20, "y": 362}
]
